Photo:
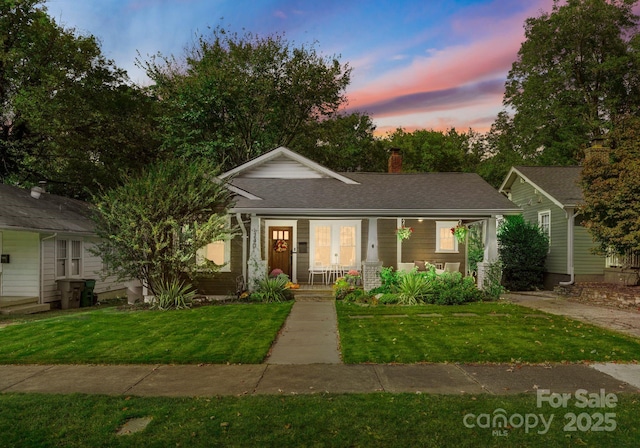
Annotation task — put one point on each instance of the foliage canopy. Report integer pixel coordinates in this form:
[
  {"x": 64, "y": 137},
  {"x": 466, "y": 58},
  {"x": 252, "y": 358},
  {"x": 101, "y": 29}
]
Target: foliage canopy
[{"x": 153, "y": 225}]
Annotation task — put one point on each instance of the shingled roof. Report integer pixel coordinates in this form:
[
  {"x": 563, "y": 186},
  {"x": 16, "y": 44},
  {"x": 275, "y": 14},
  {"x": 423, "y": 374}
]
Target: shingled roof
[
  {"x": 48, "y": 213},
  {"x": 559, "y": 183},
  {"x": 365, "y": 194}
]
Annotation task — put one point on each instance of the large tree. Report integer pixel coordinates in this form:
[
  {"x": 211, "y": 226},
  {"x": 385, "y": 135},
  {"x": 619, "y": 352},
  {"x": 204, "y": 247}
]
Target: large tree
[
  {"x": 438, "y": 151},
  {"x": 577, "y": 72},
  {"x": 233, "y": 97},
  {"x": 344, "y": 142},
  {"x": 611, "y": 185},
  {"x": 67, "y": 115},
  {"x": 153, "y": 225}
]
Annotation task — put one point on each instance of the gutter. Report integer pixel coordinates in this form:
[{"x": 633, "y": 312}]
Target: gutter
[
  {"x": 571, "y": 217},
  {"x": 243, "y": 229}
]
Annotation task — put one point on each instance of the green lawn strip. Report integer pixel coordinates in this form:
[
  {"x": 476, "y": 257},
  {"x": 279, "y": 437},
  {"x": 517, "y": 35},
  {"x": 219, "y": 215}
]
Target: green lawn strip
[
  {"x": 236, "y": 333},
  {"x": 523, "y": 335},
  {"x": 372, "y": 420}
]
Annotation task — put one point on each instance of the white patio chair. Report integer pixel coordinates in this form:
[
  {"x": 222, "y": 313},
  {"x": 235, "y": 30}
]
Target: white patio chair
[
  {"x": 318, "y": 269},
  {"x": 451, "y": 267}
]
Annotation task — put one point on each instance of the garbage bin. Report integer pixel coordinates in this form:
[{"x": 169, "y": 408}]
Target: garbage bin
[
  {"x": 70, "y": 293},
  {"x": 86, "y": 297}
]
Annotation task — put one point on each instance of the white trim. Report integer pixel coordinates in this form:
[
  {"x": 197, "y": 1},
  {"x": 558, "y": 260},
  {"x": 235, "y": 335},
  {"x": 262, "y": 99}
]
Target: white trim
[
  {"x": 293, "y": 223},
  {"x": 335, "y": 237},
  {"x": 68, "y": 258},
  {"x": 510, "y": 179},
  {"x": 446, "y": 225},
  {"x": 547, "y": 231},
  {"x": 282, "y": 151}
]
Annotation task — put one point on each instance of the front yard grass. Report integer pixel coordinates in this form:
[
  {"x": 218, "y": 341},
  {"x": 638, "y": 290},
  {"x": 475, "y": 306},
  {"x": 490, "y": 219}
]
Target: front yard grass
[
  {"x": 237, "y": 333},
  {"x": 371, "y": 420},
  {"x": 499, "y": 332}
]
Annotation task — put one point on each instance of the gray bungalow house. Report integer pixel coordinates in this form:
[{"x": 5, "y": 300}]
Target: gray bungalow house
[
  {"x": 312, "y": 223},
  {"x": 550, "y": 196},
  {"x": 45, "y": 247}
]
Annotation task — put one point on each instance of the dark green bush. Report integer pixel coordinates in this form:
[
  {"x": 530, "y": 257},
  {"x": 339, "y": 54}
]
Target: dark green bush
[
  {"x": 388, "y": 299},
  {"x": 451, "y": 288},
  {"x": 523, "y": 250}
]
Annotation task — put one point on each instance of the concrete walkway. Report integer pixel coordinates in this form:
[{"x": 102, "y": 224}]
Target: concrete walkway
[
  {"x": 212, "y": 380},
  {"x": 306, "y": 359},
  {"x": 309, "y": 335},
  {"x": 627, "y": 322}
]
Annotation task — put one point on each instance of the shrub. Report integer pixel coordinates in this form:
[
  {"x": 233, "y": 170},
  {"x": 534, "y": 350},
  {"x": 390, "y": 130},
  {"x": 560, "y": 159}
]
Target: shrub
[
  {"x": 173, "y": 294},
  {"x": 273, "y": 289},
  {"x": 412, "y": 288},
  {"x": 523, "y": 250},
  {"x": 492, "y": 286},
  {"x": 341, "y": 288},
  {"x": 388, "y": 299},
  {"x": 358, "y": 296},
  {"x": 389, "y": 280},
  {"x": 475, "y": 247},
  {"x": 451, "y": 288}
]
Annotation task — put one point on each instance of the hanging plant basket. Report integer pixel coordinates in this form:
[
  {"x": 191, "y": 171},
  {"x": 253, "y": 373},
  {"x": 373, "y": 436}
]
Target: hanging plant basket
[
  {"x": 403, "y": 233},
  {"x": 460, "y": 232}
]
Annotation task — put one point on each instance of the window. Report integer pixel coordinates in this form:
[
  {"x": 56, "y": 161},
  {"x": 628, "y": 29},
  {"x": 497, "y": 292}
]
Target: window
[
  {"x": 68, "y": 258},
  {"x": 335, "y": 242},
  {"x": 445, "y": 241},
  {"x": 544, "y": 222},
  {"x": 219, "y": 252}
]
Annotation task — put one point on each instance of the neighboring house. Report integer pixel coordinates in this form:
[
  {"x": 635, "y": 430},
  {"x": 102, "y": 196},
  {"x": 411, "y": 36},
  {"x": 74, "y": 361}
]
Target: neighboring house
[
  {"x": 550, "y": 196},
  {"x": 297, "y": 215},
  {"x": 46, "y": 242}
]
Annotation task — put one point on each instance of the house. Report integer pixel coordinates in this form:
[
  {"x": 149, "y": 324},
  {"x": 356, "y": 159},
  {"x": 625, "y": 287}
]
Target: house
[
  {"x": 550, "y": 196},
  {"x": 46, "y": 242},
  {"x": 296, "y": 215}
]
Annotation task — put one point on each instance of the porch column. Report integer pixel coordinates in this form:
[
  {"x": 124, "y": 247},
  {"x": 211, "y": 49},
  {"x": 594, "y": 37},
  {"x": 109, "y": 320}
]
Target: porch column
[
  {"x": 257, "y": 268},
  {"x": 372, "y": 265},
  {"x": 490, "y": 249}
]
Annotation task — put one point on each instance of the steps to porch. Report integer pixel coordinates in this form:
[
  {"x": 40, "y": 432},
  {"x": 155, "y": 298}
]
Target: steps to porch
[
  {"x": 22, "y": 305},
  {"x": 312, "y": 293}
]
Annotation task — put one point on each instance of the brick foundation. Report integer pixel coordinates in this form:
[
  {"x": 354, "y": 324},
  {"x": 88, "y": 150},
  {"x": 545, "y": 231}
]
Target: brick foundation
[{"x": 604, "y": 294}]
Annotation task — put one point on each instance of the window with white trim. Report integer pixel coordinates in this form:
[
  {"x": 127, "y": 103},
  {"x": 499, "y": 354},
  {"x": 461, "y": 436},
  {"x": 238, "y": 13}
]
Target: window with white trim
[
  {"x": 334, "y": 242},
  {"x": 219, "y": 252},
  {"x": 445, "y": 240},
  {"x": 544, "y": 222},
  {"x": 68, "y": 258}
]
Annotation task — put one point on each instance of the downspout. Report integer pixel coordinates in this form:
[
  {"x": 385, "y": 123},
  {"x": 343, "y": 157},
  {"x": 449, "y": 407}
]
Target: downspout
[
  {"x": 571, "y": 215},
  {"x": 40, "y": 279},
  {"x": 243, "y": 229}
]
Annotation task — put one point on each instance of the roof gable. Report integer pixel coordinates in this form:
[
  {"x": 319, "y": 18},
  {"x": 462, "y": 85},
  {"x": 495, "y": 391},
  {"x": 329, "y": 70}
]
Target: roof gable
[
  {"x": 282, "y": 163},
  {"x": 558, "y": 183}
]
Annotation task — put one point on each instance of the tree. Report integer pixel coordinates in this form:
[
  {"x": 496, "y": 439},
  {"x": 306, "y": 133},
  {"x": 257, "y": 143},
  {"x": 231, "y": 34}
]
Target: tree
[
  {"x": 611, "y": 187},
  {"x": 153, "y": 225},
  {"x": 437, "y": 151},
  {"x": 344, "y": 142},
  {"x": 523, "y": 249},
  {"x": 577, "y": 73},
  {"x": 235, "y": 97},
  {"x": 68, "y": 115}
]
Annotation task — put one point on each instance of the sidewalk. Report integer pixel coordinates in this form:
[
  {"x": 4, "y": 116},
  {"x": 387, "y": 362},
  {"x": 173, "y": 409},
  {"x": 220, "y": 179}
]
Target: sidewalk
[
  {"x": 212, "y": 380},
  {"x": 305, "y": 359}
]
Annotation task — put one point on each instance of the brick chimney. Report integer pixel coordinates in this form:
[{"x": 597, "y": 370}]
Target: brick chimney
[{"x": 395, "y": 161}]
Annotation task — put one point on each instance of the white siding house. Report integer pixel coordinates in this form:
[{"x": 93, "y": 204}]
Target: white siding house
[{"x": 45, "y": 240}]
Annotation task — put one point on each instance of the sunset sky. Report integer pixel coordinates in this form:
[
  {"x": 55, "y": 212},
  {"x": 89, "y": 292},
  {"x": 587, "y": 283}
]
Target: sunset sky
[{"x": 432, "y": 64}]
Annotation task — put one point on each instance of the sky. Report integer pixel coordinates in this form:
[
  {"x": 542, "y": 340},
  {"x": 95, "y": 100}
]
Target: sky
[{"x": 416, "y": 64}]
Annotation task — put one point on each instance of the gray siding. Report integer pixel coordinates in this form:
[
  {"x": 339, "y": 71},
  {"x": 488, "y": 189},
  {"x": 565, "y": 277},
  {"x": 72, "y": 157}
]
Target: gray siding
[
  {"x": 524, "y": 195},
  {"x": 585, "y": 262}
]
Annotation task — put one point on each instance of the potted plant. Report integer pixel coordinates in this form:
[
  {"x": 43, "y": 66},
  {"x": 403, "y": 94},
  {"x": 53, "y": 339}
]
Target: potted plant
[
  {"x": 403, "y": 232},
  {"x": 460, "y": 232}
]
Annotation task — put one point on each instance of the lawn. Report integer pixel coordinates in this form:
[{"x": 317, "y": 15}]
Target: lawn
[
  {"x": 498, "y": 332},
  {"x": 371, "y": 420},
  {"x": 236, "y": 333}
]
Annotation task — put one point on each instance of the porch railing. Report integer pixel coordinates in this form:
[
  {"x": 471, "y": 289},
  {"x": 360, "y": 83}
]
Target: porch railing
[{"x": 628, "y": 260}]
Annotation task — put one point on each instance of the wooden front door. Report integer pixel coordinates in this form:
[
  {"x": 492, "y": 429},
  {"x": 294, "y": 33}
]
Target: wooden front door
[{"x": 280, "y": 241}]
